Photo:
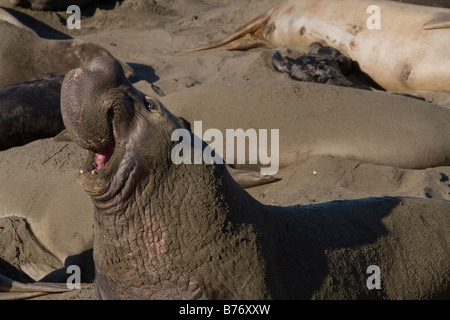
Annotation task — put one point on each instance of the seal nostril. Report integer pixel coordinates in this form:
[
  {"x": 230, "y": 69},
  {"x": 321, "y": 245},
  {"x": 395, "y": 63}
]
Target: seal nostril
[{"x": 110, "y": 115}]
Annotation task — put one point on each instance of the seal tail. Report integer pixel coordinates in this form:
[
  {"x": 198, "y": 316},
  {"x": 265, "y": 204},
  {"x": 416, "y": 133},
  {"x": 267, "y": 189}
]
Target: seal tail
[
  {"x": 440, "y": 21},
  {"x": 246, "y": 37}
]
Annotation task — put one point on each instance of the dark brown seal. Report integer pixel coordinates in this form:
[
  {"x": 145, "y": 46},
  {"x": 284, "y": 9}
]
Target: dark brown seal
[
  {"x": 166, "y": 231},
  {"x": 30, "y": 110}
]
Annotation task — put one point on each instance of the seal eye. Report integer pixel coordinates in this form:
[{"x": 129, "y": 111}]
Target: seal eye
[{"x": 149, "y": 105}]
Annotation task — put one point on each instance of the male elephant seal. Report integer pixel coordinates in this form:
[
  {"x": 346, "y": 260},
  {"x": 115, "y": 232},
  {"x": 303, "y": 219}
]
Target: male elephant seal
[
  {"x": 416, "y": 60},
  {"x": 189, "y": 231},
  {"x": 30, "y": 111},
  {"x": 25, "y": 56}
]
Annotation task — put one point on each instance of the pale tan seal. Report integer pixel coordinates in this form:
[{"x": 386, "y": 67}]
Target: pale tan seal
[
  {"x": 39, "y": 189},
  {"x": 411, "y": 44},
  {"x": 372, "y": 127}
]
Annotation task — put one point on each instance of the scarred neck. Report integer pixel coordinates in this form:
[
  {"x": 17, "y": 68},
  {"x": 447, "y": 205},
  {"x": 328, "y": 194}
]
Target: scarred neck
[{"x": 169, "y": 234}]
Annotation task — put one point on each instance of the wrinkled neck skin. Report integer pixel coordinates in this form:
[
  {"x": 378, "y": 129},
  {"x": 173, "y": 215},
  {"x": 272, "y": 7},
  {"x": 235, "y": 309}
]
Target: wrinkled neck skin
[{"x": 164, "y": 234}]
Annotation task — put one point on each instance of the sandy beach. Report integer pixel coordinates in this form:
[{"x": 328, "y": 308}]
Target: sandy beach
[{"x": 152, "y": 37}]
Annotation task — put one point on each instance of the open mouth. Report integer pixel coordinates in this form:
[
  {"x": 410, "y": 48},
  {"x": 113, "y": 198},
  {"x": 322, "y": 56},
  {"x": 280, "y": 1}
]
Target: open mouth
[
  {"x": 98, "y": 160},
  {"x": 101, "y": 158}
]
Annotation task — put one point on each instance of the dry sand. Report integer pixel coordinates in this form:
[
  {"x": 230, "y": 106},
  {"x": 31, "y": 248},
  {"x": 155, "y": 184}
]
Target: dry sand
[{"x": 152, "y": 36}]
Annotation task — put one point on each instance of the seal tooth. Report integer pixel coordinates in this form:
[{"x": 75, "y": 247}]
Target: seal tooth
[
  {"x": 81, "y": 171},
  {"x": 93, "y": 172}
]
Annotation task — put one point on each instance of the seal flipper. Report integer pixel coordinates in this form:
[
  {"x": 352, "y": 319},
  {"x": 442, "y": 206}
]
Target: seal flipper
[
  {"x": 282, "y": 64},
  {"x": 246, "y": 37},
  {"x": 13, "y": 290},
  {"x": 63, "y": 136},
  {"x": 441, "y": 21},
  {"x": 249, "y": 178}
]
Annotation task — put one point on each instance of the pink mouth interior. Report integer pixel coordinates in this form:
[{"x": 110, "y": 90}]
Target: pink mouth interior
[{"x": 102, "y": 157}]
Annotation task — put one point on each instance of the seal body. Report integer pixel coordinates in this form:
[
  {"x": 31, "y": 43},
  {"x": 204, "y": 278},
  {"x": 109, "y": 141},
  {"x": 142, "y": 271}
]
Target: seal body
[
  {"x": 25, "y": 56},
  {"x": 30, "y": 111},
  {"x": 185, "y": 231},
  {"x": 416, "y": 60},
  {"x": 372, "y": 127}
]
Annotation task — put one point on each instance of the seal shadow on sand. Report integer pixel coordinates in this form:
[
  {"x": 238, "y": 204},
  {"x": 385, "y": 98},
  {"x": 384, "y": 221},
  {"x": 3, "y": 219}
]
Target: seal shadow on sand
[
  {"x": 146, "y": 73},
  {"x": 43, "y": 30},
  {"x": 12, "y": 272}
]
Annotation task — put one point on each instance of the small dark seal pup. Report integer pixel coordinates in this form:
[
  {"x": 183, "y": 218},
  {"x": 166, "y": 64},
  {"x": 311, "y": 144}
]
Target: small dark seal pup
[{"x": 321, "y": 65}]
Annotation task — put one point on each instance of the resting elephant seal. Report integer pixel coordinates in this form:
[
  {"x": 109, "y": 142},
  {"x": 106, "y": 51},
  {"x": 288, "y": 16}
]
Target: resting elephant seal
[
  {"x": 189, "y": 231},
  {"x": 30, "y": 111},
  {"x": 417, "y": 60},
  {"x": 38, "y": 184},
  {"x": 372, "y": 127},
  {"x": 25, "y": 56}
]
